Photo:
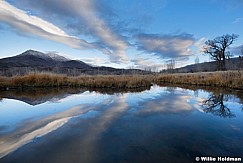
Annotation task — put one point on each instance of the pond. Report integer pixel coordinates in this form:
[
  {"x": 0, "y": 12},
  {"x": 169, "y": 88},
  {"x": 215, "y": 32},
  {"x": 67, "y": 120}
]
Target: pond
[{"x": 162, "y": 124}]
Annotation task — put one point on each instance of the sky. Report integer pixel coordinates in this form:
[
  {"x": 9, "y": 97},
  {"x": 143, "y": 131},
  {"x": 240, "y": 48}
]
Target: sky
[{"x": 119, "y": 33}]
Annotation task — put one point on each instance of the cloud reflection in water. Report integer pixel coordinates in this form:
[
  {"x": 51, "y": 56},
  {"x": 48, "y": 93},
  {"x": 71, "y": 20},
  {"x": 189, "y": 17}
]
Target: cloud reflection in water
[
  {"x": 112, "y": 107},
  {"x": 30, "y": 130}
]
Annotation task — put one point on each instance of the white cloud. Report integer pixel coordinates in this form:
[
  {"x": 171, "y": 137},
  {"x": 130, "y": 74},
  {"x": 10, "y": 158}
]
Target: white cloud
[
  {"x": 199, "y": 44},
  {"x": 85, "y": 10},
  {"x": 166, "y": 46},
  {"x": 26, "y": 23},
  {"x": 85, "y": 15},
  {"x": 95, "y": 61},
  {"x": 108, "y": 43}
]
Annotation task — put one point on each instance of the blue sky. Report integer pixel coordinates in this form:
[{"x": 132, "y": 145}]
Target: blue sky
[{"x": 120, "y": 33}]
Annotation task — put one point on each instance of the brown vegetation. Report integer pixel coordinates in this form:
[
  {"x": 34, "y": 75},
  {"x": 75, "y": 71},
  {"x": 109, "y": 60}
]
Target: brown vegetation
[
  {"x": 55, "y": 80},
  {"x": 231, "y": 79}
]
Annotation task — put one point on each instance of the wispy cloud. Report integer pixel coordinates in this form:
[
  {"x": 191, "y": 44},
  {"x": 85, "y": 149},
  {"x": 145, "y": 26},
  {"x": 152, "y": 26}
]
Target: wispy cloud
[
  {"x": 28, "y": 24},
  {"x": 84, "y": 17},
  {"x": 86, "y": 10},
  {"x": 237, "y": 20},
  {"x": 95, "y": 61},
  {"x": 199, "y": 44},
  {"x": 166, "y": 46}
]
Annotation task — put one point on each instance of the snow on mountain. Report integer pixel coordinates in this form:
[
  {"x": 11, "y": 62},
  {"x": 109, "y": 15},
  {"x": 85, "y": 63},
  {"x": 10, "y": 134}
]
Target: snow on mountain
[
  {"x": 47, "y": 56},
  {"x": 57, "y": 57}
]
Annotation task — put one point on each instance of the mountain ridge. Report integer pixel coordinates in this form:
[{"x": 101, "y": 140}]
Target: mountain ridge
[
  {"x": 49, "y": 55},
  {"x": 35, "y": 61}
]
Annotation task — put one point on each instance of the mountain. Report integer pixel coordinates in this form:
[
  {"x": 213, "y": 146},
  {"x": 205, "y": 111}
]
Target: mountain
[
  {"x": 35, "y": 61},
  {"x": 57, "y": 57},
  {"x": 32, "y": 58}
]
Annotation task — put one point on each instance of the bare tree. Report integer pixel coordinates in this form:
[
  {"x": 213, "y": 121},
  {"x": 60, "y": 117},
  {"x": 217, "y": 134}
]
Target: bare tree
[
  {"x": 170, "y": 64},
  {"x": 217, "y": 48},
  {"x": 197, "y": 60}
]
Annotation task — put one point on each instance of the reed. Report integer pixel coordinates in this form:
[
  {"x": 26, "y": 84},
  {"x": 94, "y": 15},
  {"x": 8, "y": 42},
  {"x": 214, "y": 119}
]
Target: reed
[
  {"x": 56, "y": 80},
  {"x": 231, "y": 79}
]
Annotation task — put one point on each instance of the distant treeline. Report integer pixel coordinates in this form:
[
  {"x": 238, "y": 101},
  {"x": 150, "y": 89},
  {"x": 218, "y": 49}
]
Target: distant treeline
[{"x": 13, "y": 71}]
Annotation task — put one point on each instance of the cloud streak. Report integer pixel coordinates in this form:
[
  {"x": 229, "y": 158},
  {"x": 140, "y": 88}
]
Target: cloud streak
[
  {"x": 200, "y": 44},
  {"x": 84, "y": 17},
  {"x": 165, "y": 46},
  {"x": 26, "y": 23},
  {"x": 116, "y": 46}
]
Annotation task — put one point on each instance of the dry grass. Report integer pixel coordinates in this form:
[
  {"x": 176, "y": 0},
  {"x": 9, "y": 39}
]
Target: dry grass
[
  {"x": 54, "y": 80},
  {"x": 231, "y": 79}
]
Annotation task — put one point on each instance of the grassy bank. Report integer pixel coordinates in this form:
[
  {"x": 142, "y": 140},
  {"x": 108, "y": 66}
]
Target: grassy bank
[
  {"x": 54, "y": 80},
  {"x": 231, "y": 79}
]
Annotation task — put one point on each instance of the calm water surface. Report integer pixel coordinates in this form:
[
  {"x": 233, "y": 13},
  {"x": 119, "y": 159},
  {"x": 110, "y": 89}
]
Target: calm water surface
[{"x": 163, "y": 124}]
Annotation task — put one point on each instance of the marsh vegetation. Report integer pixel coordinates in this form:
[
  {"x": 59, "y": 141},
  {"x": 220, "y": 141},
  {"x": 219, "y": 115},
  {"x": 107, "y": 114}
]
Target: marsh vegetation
[{"x": 231, "y": 79}]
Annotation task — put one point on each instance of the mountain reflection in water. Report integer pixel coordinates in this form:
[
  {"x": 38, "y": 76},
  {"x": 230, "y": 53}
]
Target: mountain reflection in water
[{"x": 167, "y": 124}]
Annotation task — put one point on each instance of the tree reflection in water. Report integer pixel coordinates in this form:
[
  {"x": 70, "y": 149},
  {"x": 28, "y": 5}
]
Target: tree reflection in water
[{"x": 215, "y": 105}]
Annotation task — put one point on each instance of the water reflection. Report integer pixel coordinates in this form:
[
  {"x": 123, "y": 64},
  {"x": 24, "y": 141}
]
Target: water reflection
[
  {"x": 163, "y": 124},
  {"x": 217, "y": 100},
  {"x": 170, "y": 90},
  {"x": 164, "y": 105},
  {"x": 119, "y": 90},
  {"x": 215, "y": 104},
  {"x": 39, "y": 95},
  {"x": 30, "y": 130}
]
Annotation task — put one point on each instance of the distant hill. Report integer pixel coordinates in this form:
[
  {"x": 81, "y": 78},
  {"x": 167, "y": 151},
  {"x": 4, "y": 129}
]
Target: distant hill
[
  {"x": 231, "y": 64},
  {"x": 34, "y": 61}
]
